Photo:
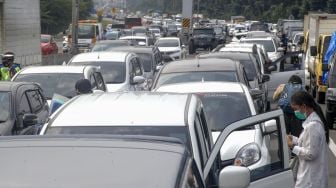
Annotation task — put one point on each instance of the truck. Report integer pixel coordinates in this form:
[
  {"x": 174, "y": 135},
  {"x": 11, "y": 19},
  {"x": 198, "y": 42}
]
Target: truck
[
  {"x": 89, "y": 32},
  {"x": 316, "y": 42},
  {"x": 131, "y": 22}
]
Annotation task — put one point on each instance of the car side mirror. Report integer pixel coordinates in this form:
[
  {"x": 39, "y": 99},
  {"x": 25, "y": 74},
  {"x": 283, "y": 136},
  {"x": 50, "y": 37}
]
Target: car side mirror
[
  {"x": 29, "y": 120},
  {"x": 313, "y": 51},
  {"x": 269, "y": 127},
  {"x": 265, "y": 78},
  {"x": 234, "y": 176},
  {"x": 256, "y": 93},
  {"x": 138, "y": 80},
  {"x": 325, "y": 67}
]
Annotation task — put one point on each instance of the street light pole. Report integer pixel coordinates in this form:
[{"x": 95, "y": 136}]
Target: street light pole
[
  {"x": 74, "y": 29},
  {"x": 198, "y": 2}
]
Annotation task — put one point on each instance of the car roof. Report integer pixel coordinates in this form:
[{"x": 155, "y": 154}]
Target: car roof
[
  {"x": 257, "y": 38},
  {"x": 111, "y": 42},
  {"x": 9, "y": 86},
  {"x": 234, "y": 55},
  {"x": 169, "y": 38},
  {"x": 117, "y": 109},
  {"x": 53, "y": 69},
  {"x": 199, "y": 64},
  {"x": 135, "y": 49},
  {"x": 83, "y": 162},
  {"x": 133, "y": 37},
  {"x": 195, "y": 87},
  {"x": 101, "y": 56}
]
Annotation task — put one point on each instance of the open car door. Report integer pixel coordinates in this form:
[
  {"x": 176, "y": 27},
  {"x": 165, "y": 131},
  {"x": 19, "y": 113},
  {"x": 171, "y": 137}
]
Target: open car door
[{"x": 276, "y": 174}]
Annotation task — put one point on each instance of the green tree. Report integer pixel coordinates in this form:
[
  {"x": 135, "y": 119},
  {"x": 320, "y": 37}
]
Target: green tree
[
  {"x": 56, "y": 15},
  {"x": 331, "y": 6}
]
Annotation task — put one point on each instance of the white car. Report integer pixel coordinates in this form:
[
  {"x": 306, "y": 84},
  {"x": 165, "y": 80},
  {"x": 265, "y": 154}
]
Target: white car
[
  {"x": 172, "y": 46},
  {"x": 271, "y": 46},
  {"x": 122, "y": 71},
  {"x": 140, "y": 40},
  {"x": 157, "y": 33},
  {"x": 225, "y": 103},
  {"x": 180, "y": 116},
  {"x": 61, "y": 79}
]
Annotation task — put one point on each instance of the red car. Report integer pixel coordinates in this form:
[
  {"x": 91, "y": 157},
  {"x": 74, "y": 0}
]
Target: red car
[{"x": 48, "y": 45}]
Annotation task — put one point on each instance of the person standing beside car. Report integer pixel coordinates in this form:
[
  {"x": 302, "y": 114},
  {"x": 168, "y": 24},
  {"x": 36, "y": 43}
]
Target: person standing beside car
[
  {"x": 283, "y": 95},
  {"x": 311, "y": 147},
  {"x": 8, "y": 68}
]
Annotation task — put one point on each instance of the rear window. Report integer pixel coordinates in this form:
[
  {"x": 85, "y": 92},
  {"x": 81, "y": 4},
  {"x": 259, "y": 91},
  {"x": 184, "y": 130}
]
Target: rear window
[
  {"x": 60, "y": 83},
  {"x": 172, "y": 78},
  {"x": 180, "y": 132},
  {"x": 268, "y": 44},
  {"x": 222, "y": 109},
  {"x": 113, "y": 72}
]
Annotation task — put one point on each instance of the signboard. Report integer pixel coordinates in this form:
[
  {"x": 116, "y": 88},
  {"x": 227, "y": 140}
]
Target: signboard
[
  {"x": 186, "y": 22},
  {"x": 187, "y": 8}
]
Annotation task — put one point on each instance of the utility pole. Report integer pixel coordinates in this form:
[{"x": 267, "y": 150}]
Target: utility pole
[
  {"x": 198, "y": 3},
  {"x": 74, "y": 29}
]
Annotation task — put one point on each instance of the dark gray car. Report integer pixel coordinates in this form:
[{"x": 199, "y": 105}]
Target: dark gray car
[
  {"x": 103, "y": 161},
  {"x": 23, "y": 108}
]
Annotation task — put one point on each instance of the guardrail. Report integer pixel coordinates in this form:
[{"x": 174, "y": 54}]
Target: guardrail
[{"x": 37, "y": 59}]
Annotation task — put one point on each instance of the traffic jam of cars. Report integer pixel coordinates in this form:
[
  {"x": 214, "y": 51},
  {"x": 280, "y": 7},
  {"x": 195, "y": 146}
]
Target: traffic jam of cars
[{"x": 164, "y": 109}]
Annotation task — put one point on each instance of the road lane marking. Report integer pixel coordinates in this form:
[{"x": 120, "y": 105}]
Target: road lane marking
[{"x": 332, "y": 146}]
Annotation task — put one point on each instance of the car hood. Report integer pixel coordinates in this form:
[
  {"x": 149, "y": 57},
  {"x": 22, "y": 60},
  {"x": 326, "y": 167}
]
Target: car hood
[
  {"x": 234, "y": 142},
  {"x": 169, "y": 49},
  {"x": 116, "y": 87}
]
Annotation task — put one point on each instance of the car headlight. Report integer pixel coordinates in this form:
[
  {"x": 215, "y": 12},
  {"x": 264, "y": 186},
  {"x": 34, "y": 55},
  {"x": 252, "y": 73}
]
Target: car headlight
[{"x": 248, "y": 155}]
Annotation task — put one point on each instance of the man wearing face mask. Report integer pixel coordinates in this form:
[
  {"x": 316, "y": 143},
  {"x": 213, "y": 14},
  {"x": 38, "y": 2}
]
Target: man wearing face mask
[
  {"x": 311, "y": 146},
  {"x": 8, "y": 68}
]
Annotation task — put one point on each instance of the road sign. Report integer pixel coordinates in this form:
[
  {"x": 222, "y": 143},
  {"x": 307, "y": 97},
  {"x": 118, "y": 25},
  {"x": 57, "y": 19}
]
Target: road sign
[{"x": 186, "y": 22}]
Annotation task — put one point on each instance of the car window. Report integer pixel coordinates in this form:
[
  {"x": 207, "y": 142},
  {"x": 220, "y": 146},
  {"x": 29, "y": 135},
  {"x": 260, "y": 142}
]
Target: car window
[
  {"x": 179, "y": 132},
  {"x": 24, "y": 106},
  {"x": 93, "y": 82},
  {"x": 100, "y": 81},
  {"x": 200, "y": 141},
  {"x": 36, "y": 100},
  {"x": 250, "y": 69},
  {"x": 147, "y": 61},
  {"x": 5, "y": 106},
  {"x": 172, "y": 78},
  {"x": 216, "y": 110},
  {"x": 192, "y": 178},
  {"x": 113, "y": 72},
  {"x": 265, "y": 153},
  {"x": 136, "y": 67}
]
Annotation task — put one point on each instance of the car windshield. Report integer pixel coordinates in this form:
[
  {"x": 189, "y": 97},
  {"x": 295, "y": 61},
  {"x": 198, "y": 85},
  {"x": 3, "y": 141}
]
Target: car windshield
[
  {"x": 113, "y": 72},
  {"x": 250, "y": 69},
  {"x": 86, "y": 31},
  {"x": 172, "y": 78},
  {"x": 297, "y": 38},
  {"x": 172, "y": 27},
  {"x": 218, "y": 30},
  {"x": 98, "y": 47},
  {"x": 180, "y": 132},
  {"x": 4, "y": 106},
  {"x": 155, "y": 30},
  {"x": 139, "y": 30},
  {"x": 45, "y": 38},
  {"x": 167, "y": 43},
  {"x": 111, "y": 36},
  {"x": 268, "y": 44},
  {"x": 135, "y": 41},
  {"x": 203, "y": 32},
  {"x": 60, "y": 83},
  {"x": 147, "y": 61},
  {"x": 222, "y": 109}
]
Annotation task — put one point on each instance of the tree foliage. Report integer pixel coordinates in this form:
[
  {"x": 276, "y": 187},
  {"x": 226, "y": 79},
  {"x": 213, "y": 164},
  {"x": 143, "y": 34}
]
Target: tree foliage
[
  {"x": 56, "y": 15},
  {"x": 264, "y": 10}
]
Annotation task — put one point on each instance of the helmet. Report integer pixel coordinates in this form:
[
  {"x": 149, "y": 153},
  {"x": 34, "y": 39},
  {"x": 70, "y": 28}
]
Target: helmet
[{"x": 8, "y": 56}]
